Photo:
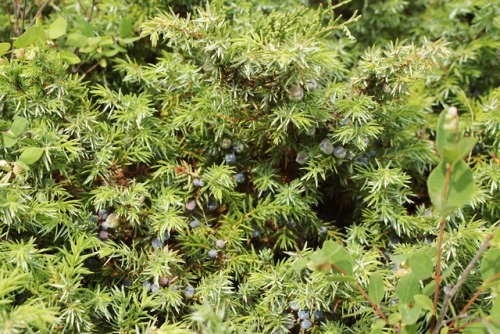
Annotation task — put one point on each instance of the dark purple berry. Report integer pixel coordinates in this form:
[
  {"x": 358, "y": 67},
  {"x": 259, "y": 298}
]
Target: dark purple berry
[
  {"x": 212, "y": 205},
  {"x": 339, "y": 152},
  {"x": 326, "y": 146},
  {"x": 230, "y": 158},
  {"x": 157, "y": 243},
  {"x": 239, "y": 177},
  {"x": 191, "y": 204},
  {"x": 103, "y": 235}
]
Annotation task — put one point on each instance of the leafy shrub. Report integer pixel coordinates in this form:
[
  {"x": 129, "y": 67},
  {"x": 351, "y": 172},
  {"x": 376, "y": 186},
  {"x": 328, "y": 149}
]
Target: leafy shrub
[{"x": 249, "y": 166}]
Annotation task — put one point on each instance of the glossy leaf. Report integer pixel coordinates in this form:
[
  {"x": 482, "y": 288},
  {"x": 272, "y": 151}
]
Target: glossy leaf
[
  {"x": 69, "y": 57},
  {"x": 408, "y": 286},
  {"x": 376, "y": 289},
  {"x": 460, "y": 187},
  {"x": 454, "y": 153},
  {"x": 421, "y": 264},
  {"x": 490, "y": 264},
  {"x": 31, "y": 155},
  {"x": 31, "y": 36},
  {"x": 58, "y": 28},
  {"x": 409, "y": 315},
  {"x": 4, "y": 47},
  {"x": 424, "y": 302},
  {"x": 18, "y": 125},
  {"x": 9, "y": 140},
  {"x": 338, "y": 256}
]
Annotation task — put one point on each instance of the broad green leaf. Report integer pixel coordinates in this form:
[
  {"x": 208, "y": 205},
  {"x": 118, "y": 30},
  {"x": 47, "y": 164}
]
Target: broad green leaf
[
  {"x": 408, "y": 286},
  {"x": 490, "y": 264},
  {"x": 93, "y": 40},
  {"x": 409, "y": 329},
  {"x": 300, "y": 264},
  {"x": 429, "y": 288},
  {"x": 409, "y": 315},
  {"x": 394, "y": 318},
  {"x": 31, "y": 155},
  {"x": 57, "y": 28},
  {"x": 495, "y": 309},
  {"x": 126, "y": 27},
  {"x": 69, "y": 57},
  {"x": 376, "y": 331},
  {"x": 454, "y": 153},
  {"x": 76, "y": 40},
  {"x": 9, "y": 140},
  {"x": 339, "y": 278},
  {"x": 338, "y": 256},
  {"x": 34, "y": 34},
  {"x": 18, "y": 125},
  {"x": 444, "y": 135},
  {"x": 460, "y": 187},
  {"x": 495, "y": 241},
  {"x": 475, "y": 328},
  {"x": 4, "y": 47},
  {"x": 421, "y": 264},
  {"x": 444, "y": 330},
  {"x": 376, "y": 289},
  {"x": 85, "y": 28},
  {"x": 378, "y": 324},
  {"x": 424, "y": 302}
]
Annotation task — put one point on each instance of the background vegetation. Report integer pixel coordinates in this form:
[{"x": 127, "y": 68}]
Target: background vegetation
[{"x": 245, "y": 166}]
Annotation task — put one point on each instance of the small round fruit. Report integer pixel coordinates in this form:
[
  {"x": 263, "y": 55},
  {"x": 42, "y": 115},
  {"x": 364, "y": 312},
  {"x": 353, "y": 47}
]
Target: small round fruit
[
  {"x": 303, "y": 314},
  {"x": 230, "y": 158},
  {"x": 226, "y": 143},
  {"x": 189, "y": 292},
  {"x": 295, "y": 93},
  {"x": 198, "y": 183},
  {"x": 255, "y": 233},
  {"x": 112, "y": 221},
  {"x": 326, "y": 146},
  {"x": 191, "y": 204},
  {"x": 239, "y": 177},
  {"x": 154, "y": 288},
  {"x": 305, "y": 324},
  {"x": 318, "y": 315},
  {"x": 194, "y": 223},
  {"x": 212, "y": 253},
  {"x": 302, "y": 158},
  {"x": 311, "y": 85},
  {"x": 127, "y": 282},
  {"x": 239, "y": 147},
  {"x": 211, "y": 205},
  {"x": 103, "y": 235},
  {"x": 294, "y": 305},
  {"x": 163, "y": 281},
  {"x": 339, "y": 152},
  {"x": 157, "y": 243},
  {"x": 220, "y": 244}
]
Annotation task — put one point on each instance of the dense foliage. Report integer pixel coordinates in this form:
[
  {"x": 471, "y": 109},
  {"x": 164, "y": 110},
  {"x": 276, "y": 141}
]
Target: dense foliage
[{"x": 249, "y": 166}]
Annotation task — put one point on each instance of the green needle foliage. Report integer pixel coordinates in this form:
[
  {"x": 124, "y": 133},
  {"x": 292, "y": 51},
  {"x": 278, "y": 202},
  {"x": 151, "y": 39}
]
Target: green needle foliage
[{"x": 249, "y": 166}]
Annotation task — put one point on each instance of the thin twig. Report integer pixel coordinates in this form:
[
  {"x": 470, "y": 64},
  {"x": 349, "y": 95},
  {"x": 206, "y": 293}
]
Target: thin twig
[
  {"x": 438, "y": 271},
  {"x": 39, "y": 12},
  {"x": 450, "y": 293},
  {"x": 365, "y": 295},
  {"x": 8, "y": 15}
]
